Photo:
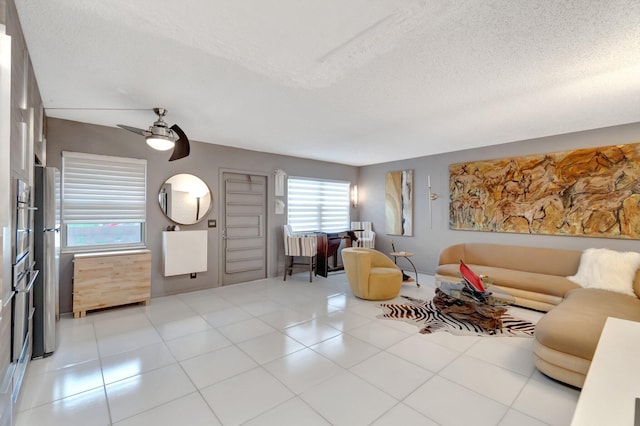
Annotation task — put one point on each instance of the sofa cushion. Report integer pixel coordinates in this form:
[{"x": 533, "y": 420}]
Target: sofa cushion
[
  {"x": 574, "y": 326},
  {"x": 507, "y": 278},
  {"x": 528, "y": 259}
]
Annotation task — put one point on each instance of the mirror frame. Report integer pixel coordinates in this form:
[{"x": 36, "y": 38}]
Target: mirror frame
[{"x": 202, "y": 216}]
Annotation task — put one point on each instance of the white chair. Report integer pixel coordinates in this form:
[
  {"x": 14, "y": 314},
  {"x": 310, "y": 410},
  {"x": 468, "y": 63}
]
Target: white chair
[
  {"x": 366, "y": 237},
  {"x": 299, "y": 245}
]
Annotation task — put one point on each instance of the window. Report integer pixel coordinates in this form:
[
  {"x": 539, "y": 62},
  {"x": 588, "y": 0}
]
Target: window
[
  {"x": 318, "y": 205},
  {"x": 103, "y": 201}
]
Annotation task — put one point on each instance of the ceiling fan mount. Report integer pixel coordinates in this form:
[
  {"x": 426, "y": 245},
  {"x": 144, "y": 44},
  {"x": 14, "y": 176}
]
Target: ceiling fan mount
[
  {"x": 162, "y": 137},
  {"x": 160, "y": 112}
]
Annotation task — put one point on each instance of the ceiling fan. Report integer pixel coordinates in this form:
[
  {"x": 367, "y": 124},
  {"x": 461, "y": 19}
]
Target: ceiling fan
[{"x": 162, "y": 137}]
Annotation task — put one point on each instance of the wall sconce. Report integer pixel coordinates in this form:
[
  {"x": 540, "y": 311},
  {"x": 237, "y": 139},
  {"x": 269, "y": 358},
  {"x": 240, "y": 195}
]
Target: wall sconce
[
  {"x": 432, "y": 197},
  {"x": 354, "y": 196},
  {"x": 280, "y": 176},
  {"x": 198, "y": 190},
  {"x": 197, "y": 208}
]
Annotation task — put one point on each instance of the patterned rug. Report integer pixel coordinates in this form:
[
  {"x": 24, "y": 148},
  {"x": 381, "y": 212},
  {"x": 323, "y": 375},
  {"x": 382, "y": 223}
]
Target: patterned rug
[{"x": 425, "y": 315}]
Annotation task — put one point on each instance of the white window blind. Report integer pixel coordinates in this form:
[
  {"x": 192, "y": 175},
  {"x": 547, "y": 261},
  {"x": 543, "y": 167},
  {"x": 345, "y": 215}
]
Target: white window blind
[
  {"x": 317, "y": 205},
  {"x": 103, "y": 189}
]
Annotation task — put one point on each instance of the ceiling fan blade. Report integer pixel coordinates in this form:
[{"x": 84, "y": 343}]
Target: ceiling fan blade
[
  {"x": 134, "y": 130},
  {"x": 182, "y": 148}
]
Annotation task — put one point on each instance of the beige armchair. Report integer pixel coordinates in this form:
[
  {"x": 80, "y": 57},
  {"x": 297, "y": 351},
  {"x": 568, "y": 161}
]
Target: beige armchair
[
  {"x": 371, "y": 274},
  {"x": 299, "y": 245},
  {"x": 366, "y": 237}
]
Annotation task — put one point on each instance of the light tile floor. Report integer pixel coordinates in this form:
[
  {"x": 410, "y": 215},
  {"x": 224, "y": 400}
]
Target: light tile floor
[{"x": 283, "y": 353}]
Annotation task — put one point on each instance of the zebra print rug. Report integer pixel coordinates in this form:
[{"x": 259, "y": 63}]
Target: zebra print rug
[{"x": 425, "y": 315}]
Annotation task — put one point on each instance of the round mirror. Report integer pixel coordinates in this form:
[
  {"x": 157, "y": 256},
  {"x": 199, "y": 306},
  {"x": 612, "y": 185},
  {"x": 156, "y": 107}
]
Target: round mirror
[{"x": 185, "y": 199}]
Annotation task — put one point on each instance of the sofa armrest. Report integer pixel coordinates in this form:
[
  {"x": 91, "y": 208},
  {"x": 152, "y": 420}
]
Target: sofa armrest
[
  {"x": 357, "y": 266},
  {"x": 379, "y": 259},
  {"x": 452, "y": 255}
]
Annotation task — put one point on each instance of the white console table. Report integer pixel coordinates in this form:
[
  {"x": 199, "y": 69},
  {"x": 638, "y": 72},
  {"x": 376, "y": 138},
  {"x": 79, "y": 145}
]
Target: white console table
[
  {"x": 612, "y": 385},
  {"x": 184, "y": 252}
]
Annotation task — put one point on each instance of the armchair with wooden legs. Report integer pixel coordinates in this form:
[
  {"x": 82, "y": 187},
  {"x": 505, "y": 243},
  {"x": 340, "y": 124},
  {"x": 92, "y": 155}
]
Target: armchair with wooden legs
[{"x": 299, "y": 245}]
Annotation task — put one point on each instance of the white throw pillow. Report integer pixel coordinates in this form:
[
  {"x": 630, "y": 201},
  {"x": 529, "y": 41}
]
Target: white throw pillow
[{"x": 607, "y": 270}]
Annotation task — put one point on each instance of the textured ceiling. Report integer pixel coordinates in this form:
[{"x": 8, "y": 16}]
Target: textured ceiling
[{"x": 356, "y": 82}]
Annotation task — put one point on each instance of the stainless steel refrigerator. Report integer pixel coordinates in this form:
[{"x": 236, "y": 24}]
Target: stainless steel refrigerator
[{"x": 46, "y": 244}]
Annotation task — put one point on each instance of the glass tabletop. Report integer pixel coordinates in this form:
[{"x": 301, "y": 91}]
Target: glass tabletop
[
  {"x": 493, "y": 295},
  {"x": 401, "y": 254}
]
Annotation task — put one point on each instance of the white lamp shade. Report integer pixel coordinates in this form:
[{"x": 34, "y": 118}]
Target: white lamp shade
[{"x": 160, "y": 143}]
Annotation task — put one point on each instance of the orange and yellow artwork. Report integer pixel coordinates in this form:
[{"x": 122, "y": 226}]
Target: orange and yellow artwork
[{"x": 593, "y": 192}]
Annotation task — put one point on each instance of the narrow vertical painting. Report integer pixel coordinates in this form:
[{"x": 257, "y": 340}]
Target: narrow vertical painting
[
  {"x": 592, "y": 192},
  {"x": 399, "y": 202}
]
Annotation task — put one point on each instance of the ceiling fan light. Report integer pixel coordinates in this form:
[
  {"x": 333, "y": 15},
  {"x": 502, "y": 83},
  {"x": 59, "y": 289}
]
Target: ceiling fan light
[{"x": 161, "y": 143}]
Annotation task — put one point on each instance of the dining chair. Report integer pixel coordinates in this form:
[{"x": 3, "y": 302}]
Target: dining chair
[
  {"x": 300, "y": 245},
  {"x": 366, "y": 236}
]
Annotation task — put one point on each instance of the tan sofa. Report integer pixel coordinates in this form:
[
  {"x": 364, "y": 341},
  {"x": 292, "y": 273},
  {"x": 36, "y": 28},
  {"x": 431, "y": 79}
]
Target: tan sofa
[
  {"x": 566, "y": 337},
  {"x": 536, "y": 277}
]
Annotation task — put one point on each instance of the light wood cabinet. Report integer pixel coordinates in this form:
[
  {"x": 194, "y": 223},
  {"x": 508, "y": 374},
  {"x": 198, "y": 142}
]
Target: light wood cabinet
[{"x": 102, "y": 280}]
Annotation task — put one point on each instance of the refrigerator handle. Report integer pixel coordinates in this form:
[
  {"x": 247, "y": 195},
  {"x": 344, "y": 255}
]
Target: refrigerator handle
[
  {"x": 6, "y": 301},
  {"x": 31, "y": 282}
]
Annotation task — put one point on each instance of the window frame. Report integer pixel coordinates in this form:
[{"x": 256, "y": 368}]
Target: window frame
[
  {"x": 319, "y": 223},
  {"x": 141, "y": 164}
]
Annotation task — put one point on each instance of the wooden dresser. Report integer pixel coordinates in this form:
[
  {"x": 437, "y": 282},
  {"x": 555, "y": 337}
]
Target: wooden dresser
[{"x": 102, "y": 280}]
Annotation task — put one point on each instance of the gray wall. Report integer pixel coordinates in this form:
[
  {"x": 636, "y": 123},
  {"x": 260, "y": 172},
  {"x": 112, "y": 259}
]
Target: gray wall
[
  {"x": 427, "y": 243},
  {"x": 206, "y": 161}
]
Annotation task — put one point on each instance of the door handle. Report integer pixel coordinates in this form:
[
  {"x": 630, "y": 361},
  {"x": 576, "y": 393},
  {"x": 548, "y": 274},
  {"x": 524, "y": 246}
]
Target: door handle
[{"x": 51, "y": 230}]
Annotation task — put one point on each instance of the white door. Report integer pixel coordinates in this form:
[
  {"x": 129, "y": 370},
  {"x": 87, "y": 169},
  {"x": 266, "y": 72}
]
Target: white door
[{"x": 244, "y": 229}]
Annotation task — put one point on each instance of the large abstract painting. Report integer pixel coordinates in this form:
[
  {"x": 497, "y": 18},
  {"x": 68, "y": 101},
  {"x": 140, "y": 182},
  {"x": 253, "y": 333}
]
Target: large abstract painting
[
  {"x": 592, "y": 192},
  {"x": 399, "y": 202}
]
